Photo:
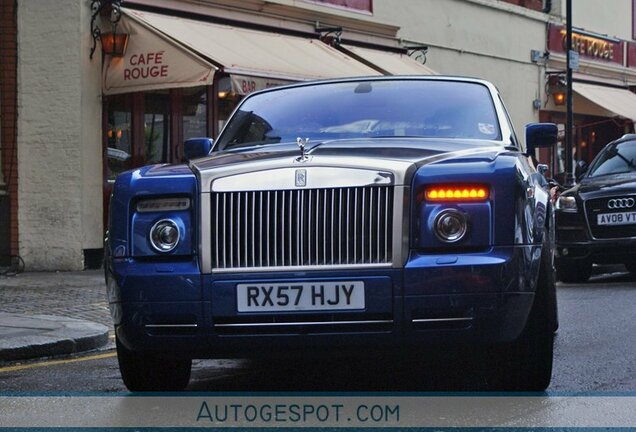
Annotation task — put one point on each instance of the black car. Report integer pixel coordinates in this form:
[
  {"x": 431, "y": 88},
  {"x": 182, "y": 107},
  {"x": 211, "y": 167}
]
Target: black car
[{"x": 596, "y": 219}]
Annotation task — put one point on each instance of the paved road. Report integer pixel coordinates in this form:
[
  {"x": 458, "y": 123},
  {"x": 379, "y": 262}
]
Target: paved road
[
  {"x": 595, "y": 351},
  {"x": 79, "y": 295},
  {"x": 596, "y": 343}
]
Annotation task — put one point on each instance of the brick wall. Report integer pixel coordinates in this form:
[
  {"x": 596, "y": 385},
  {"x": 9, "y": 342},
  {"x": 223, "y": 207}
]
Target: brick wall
[
  {"x": 8, "y": 113},
  {"x": 49, "y": 133}
]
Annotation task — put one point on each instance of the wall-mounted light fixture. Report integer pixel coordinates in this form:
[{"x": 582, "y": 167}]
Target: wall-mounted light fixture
[
  {"x": 113, "y": 43},
  {"x": 417, "y": 52},
  {"x": 556, "y": 86},
  {"x": 329, "y": 35},
  {"x": 559, "y": 97}
]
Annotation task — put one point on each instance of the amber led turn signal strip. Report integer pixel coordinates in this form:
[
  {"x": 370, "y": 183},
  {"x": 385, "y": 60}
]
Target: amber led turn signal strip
[{"x": 457, "y": 193}]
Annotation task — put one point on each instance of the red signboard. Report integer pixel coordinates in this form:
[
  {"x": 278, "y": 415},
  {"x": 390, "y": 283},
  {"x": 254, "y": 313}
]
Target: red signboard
[
  {"x": 589, "y": 45},
  {"x": 363, "y": 5},
  {"x": 631, "y": 54},
  {"x": 530, "y": 4},
  {"x": 633, "y": 19}
]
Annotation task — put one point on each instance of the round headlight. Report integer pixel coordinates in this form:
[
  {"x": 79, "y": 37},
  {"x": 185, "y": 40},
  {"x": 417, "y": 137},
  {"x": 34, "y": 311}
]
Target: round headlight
[
  {"x": 450, "y": 226},
  {"x": 164, "y": 235}
]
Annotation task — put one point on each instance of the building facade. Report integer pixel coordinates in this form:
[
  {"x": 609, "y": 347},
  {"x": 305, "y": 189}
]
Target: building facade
[
  {"x": 72, "y": 117},
  {"x": 487, "y": 39},
  {"x": 604, "y": 103}
]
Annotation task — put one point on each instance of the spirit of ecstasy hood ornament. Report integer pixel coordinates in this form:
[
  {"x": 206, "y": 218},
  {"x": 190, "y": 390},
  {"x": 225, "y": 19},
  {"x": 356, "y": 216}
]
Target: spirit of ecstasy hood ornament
[{"x": 302, "y": 143}]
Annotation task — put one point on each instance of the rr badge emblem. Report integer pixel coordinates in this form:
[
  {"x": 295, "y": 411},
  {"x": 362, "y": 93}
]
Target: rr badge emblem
[{"x": 301, "y": 178}]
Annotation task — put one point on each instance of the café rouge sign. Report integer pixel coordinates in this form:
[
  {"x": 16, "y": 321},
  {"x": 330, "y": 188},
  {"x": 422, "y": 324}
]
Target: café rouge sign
[
  {"x": 145, "y": 65},
  {"x": 590, "y": 46}
]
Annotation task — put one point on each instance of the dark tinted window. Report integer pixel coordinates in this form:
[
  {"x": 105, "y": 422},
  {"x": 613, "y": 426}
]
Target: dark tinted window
[
  {"x": 157, "y": 127},
  {"x": 119, "y": 135},
  {"x": 194, "y": 106},
  {"x": 365, "y": 109},
  {"x": 615, "y": 159}
]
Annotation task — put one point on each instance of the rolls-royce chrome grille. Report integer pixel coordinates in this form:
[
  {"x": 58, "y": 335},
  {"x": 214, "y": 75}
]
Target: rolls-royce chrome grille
[{"x": 302, "y": 227}]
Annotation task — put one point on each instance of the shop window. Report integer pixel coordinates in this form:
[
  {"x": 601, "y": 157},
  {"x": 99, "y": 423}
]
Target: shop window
[
  {"x": 157, "y": 127},
  {"x": 226, "y": 107},
  {"x": 150, "y": 127},
  {"x": 119, "y": 136},
  {"x": 194, "y": 108},
  {"x": 228, "y": 100}
]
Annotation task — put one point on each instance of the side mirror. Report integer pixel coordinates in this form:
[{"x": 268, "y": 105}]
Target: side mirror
[
  {"x": 542, "y": 169},
  {"x": 580, "y": 169},
  {"x": 197, "y": 147},
  {"x": 540, "y": 135}
]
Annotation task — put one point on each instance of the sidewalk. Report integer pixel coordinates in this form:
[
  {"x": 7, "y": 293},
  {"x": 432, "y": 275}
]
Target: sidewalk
[{"x": 52, "y": 313}]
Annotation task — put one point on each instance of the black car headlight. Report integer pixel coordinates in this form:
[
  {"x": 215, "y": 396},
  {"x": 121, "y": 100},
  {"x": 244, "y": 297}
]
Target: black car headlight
[{"x": 566, "y": 204}]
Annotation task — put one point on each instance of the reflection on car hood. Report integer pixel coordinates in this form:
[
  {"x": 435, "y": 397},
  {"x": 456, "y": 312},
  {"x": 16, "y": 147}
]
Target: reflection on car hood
[
  {"x": 165, "y": 170},
  {"x": 602, "y": 185},
  {"x": 418, "y": 151}
]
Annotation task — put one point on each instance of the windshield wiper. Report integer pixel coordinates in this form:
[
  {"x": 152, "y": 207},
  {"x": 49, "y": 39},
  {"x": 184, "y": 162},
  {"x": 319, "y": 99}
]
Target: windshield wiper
[{"x": 629, "y": 162}]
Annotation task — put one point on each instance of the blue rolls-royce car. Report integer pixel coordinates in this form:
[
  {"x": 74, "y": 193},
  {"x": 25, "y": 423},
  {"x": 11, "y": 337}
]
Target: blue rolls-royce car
[{"x": 385, "y": 215}]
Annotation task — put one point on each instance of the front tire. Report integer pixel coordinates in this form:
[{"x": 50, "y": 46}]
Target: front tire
[
  {"x": 526, "y": 364},
  {"x": 145, "y": 373}
]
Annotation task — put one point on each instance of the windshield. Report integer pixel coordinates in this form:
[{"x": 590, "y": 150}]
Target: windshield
[
  {"x": 615, "y": 159},
  {"x": 364, "y": 109}
]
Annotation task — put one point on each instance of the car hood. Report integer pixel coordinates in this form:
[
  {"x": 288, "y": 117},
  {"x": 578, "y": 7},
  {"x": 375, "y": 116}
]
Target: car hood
[
  {"x": 401, "y": 149},
  {"x": 399, "y": 156},
  {"x": 591, "y": 187}
]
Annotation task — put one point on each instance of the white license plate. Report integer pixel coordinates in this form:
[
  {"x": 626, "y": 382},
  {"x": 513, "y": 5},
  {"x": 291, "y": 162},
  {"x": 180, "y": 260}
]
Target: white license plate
[
  {"x": 300, "y": 296},
  {"x": 624, "y": 218}
]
